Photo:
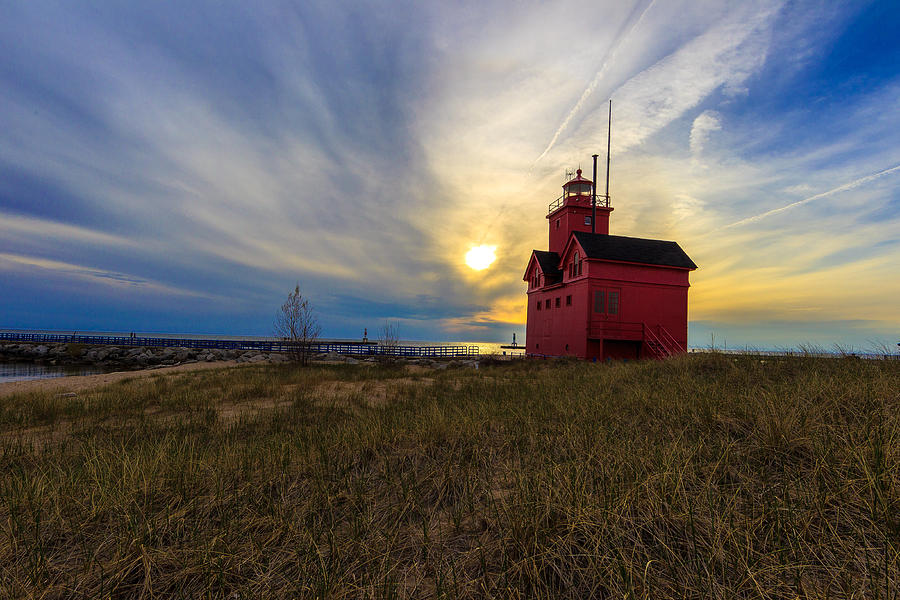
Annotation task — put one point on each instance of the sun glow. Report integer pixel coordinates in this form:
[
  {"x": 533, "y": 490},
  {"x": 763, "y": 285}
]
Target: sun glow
[{"x": 480, "y": 257}]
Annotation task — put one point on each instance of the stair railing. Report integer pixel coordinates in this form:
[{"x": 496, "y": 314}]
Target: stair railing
[
  {"x": 672, "y": 344},
  {"x": 661, "y": 343},
  {"x": 655, "y": 345}
]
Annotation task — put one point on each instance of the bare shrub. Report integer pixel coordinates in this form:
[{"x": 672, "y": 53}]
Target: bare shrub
[
  {"x": 297, "y": 325},
  {"x": 388, "y": 341}
]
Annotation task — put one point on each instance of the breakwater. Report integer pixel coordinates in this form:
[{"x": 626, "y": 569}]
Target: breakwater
[
  {"x": 131, "y": 352},
  {"x": 124, "y": 357},
  {"x": 265, "y": 346},
  {"x": 142, "y": 357}
]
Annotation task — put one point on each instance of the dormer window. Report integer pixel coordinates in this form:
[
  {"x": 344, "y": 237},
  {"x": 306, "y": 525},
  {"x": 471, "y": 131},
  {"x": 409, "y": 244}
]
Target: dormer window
[{"x": 575, "y": 266}]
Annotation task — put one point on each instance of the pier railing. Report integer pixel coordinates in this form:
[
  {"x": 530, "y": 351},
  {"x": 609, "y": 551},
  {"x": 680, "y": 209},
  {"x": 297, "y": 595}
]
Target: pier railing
[{"x": 361, "y": 349}]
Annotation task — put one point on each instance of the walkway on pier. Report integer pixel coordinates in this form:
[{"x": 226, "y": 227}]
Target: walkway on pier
[{"x": 363, "y": 349}]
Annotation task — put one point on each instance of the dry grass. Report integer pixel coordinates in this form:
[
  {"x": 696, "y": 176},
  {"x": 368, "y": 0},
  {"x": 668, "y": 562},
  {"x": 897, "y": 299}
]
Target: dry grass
[{"x": 705, "y": 476}]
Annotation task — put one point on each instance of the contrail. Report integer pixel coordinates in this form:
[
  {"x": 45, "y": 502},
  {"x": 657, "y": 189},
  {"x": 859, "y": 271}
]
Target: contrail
[
  {"x": 608, "y": 59},
  {"x": 611, "y": 55},
  {"x": 841, "y": 188}
]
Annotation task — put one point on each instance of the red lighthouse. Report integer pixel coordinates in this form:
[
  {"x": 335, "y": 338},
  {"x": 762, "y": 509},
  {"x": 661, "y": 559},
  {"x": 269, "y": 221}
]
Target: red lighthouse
[{"x": 598, "y": 296}]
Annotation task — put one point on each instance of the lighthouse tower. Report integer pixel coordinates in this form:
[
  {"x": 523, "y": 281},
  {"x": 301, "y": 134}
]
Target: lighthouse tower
[
  {"x": 573, "y": 212},
  {"x": 599, "y": 296}
]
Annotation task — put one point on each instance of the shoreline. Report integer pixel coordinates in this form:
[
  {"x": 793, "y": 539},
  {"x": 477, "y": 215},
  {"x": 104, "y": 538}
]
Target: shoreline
[
  {"x": 71, "y": 384},
  {"x": 76, "y": 383}
]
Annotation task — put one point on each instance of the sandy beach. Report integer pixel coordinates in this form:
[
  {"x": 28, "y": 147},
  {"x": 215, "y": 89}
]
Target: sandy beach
[{"x": 77, "y": 383}]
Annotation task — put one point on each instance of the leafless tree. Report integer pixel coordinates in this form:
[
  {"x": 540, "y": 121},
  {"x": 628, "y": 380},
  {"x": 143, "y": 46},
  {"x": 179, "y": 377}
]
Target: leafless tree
[
  {"x": 296, "y": 324},
  {"x": 388, "y": 341}
]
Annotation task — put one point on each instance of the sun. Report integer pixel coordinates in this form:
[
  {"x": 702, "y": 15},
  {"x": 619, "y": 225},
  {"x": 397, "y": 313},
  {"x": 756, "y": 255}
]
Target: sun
[{"x": 480, "y": 257}]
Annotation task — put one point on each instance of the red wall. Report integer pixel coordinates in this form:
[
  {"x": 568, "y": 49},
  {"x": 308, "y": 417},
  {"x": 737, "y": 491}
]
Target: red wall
[
  {"x": 650, "y": 304},
  {"x": 571, "y": 218},
  {"x": 549, "y": 331},
  {"x": 648, "y": 295}
]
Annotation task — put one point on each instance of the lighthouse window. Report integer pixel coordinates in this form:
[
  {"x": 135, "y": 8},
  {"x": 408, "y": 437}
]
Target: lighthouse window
[
  {"x": 575, "y": 267},
  {"x": 557, "y": 223},
  {"x": 547, "y": 304},
  {"x": 556, "y": 304},
  {"x": 579, "y": 189},
  {"x": 606, "y": 302},
  {"x": 599, "y": 302},
  {"x": 613, "y": 307},
  {"x": 568, "y": 300},
  {"x": 587, "y": 220},
  {"x": 539, "y": 305}
]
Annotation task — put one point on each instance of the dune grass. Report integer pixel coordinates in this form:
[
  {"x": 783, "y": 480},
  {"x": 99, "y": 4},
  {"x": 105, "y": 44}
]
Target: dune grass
[{"x": 705, "y": 476}]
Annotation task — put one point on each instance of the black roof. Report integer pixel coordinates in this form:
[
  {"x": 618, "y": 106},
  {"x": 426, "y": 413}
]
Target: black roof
[
  {"x": 629, "y": 249},
  {"x": 549, "y": 263}
]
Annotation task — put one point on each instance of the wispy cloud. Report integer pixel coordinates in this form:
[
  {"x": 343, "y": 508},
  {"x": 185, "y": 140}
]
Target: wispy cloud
[
  {"x": 836, "y": 190},
  {"x": 609, "y": 58},
  {"x": 94, "y": 275},
  {"x": 719, "y": 60},
  {"x": 45, "y": 229},
  {"x": 231, "y": 152},
  {"x": 702, "y": 128}
]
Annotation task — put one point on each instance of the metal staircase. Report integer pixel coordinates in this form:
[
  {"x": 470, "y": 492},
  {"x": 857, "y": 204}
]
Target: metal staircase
[{"x": 660, "y": 343}]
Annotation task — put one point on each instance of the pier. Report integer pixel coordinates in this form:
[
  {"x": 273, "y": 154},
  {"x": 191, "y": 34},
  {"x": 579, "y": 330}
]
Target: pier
[{"x": 351, "y": 348}]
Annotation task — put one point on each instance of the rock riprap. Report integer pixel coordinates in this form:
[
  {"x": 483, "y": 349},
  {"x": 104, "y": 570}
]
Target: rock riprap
[
  {"x": 140, "y": 357},
  {"x": 125, "y": 356}
]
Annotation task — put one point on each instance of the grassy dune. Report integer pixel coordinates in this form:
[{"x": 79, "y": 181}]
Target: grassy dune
[{"x": 706, "y": 476}]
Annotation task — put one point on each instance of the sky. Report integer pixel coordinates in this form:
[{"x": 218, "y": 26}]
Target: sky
[{"x": 180, "y": 166}]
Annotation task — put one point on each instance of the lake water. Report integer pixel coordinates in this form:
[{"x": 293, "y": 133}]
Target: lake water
[{"x": 20, "y": 371}]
